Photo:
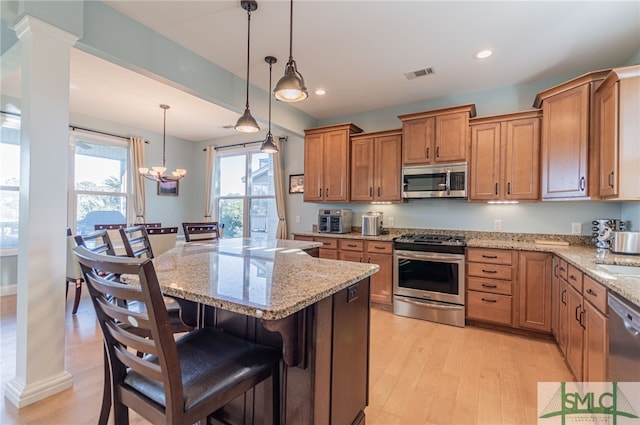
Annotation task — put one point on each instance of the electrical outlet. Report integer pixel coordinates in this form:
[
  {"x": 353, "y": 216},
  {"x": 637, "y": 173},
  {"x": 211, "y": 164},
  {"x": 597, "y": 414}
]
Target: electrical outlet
[
  {"x": 576, "y": 228},
  {"x": 497, "y": 224},
  {"x": 298, "y": 219},
  {"x": 390, "y": 222}
]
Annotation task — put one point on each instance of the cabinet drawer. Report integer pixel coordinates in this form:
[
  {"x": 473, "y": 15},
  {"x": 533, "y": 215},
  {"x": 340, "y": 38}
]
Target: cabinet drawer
[
  {"x": 574, "y": 277},
  {"x": 493, "y": 256},
  {"x": 331, "y": 254},
  {"x": 493, "y": 271},
  {"x": 494, "y": 286},
  {"x": 489, "y": 307},
  {"x": 563, "y": 269},
  {"x": 327, "y": 243},
  {"x": 303, "y": 238},
  {"x": 350, "y": 245},
  {"x": 595, "y": 293},
  {"x": 378, "y": 247}
]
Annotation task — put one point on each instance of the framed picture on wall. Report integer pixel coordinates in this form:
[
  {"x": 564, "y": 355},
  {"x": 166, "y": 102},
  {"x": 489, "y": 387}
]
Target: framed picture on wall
[
  {"x": 168, "y": 188},
  {"x": 296, "y": 183}
]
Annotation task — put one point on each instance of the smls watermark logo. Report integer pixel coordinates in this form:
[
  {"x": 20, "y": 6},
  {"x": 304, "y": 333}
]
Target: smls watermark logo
[{"x": 602, "y": 403}]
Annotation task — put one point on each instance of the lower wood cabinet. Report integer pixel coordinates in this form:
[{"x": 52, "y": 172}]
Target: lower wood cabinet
[
  {"x": 534, "y": 287},
  {"x": 362, "y": 251},
  {"x": 581, "y": 322}
]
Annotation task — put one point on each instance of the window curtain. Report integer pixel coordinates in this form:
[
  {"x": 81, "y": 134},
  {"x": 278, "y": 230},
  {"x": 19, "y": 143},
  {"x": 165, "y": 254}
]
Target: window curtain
[
  {"x": 278, "y": 181},
  {"x": 208, "y": 184},
  {"x": 139, "y": 196}
]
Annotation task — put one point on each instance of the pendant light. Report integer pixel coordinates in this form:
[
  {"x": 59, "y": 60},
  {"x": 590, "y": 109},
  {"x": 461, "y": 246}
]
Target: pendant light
[
  {"x": 267, "y": 145},
  {"x": 158, "y": 173},
  {"x": 291, "y": 87},
  {"x": 246, "y": 123}
]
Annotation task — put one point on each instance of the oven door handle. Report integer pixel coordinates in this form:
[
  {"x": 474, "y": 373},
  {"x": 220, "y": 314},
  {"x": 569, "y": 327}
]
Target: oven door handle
[
  {"x": 447, "y": 258},
  {"x": 436, "y": 305}
]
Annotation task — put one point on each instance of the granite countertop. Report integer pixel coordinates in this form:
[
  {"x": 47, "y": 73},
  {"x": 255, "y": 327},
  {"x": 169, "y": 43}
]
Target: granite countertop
[
  {"x": 580, "y": 253},
  {"x": 268, "y": 279}
]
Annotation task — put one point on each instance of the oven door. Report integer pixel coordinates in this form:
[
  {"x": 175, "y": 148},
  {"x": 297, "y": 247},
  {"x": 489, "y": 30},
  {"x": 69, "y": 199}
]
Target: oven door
[{"x": 429, "y": 276}]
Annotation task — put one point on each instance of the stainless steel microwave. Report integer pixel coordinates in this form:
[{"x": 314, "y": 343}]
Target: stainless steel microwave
[{"x": 435, "y": 181}]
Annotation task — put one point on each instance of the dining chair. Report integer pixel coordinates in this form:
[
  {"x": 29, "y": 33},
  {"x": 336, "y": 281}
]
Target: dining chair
[
  {"x": 136, "y": 241},
  {"x": 162, "y": 239},
  {"x": 201, "y": 231},
  {"x": 178, "y": 380},
  {"x": 99, "y": 242},
  {"x": 74, "y": 273}
]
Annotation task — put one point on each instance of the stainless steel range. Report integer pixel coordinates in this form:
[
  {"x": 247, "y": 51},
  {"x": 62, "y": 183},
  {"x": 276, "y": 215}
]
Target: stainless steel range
[{"x": 428, "y": 278}]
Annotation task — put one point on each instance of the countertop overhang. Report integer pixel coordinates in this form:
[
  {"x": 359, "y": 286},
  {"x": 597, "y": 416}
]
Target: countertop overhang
[{"x": 267, "y": 279}]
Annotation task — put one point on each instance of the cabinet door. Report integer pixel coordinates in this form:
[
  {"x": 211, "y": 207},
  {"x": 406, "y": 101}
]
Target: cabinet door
[
  {"x": 607, "y": 104},
  {"x": 575, "y": 332},
  {"x": 522, "y": 160},
  {"x": 485, "y": 162},
  {"x": 555, "y": 298},
  {"x": 534, "y": 281},
  {"x": 381, "y": 282},
  {"x": 451, "y": 137},
  {"x": 418, "y": 138},
  {"x": 313, "y": 185},
  {"x": 565, "y": 124},
  {"x": 388, "y": 169},
  {"x": 596, "y": 343},
  {"x": 563, "y": 316},
  {"x": 362, "y": 169},
  {"x": 336, "y": 166}
]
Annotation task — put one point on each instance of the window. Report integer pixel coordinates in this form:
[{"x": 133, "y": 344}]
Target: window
[
  {"x": 100, "y": 184},
  {"x": 245, "y": 196},
  {"x": 9, "y": 179}
]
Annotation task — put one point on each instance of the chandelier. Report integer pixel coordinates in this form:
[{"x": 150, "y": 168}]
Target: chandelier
[{"x": 158, "y": 174}]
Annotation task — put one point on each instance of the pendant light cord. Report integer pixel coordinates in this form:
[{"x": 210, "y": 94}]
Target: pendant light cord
[
  {"x": 291, "y": 31},
  {"x": 248, "y": 47},
  {"x": 270, "y": 66}
]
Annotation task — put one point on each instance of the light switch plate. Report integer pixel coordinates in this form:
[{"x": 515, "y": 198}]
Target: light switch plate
[
  {"x": 497, "y": 224},
  {"x": 576, "y": 228}
]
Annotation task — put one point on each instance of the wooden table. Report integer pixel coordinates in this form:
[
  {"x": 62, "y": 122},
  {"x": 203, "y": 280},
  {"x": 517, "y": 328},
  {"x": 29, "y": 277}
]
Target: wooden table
[{"x": 275, "y": 293}]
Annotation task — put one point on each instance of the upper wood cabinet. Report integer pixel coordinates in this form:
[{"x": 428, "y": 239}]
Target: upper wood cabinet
[
  {"x": 569, "y": 151},
  {"x": 376, "y": 166},
  {"x": 436, "y": 136},
  {"x": 326, "y": 163},
  {"x": 618, "y": 133},
  {"x": 505, "y": 157}
]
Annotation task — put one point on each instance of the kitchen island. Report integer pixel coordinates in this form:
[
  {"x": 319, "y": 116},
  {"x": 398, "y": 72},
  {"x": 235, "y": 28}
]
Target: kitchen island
[{"x": 275, "y": 293}]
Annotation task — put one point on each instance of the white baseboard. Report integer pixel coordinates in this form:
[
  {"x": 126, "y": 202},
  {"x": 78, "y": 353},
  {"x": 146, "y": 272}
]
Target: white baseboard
[{"x": 21, "y": 395}]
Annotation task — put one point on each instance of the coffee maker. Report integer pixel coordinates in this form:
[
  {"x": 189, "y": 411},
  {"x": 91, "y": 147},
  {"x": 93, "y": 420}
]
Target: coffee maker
[{"x": 603, "y": 227}]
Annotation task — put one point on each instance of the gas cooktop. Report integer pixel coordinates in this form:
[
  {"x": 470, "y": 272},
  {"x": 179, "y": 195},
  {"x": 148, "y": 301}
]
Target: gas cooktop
[{"x": 430, "y": 243}]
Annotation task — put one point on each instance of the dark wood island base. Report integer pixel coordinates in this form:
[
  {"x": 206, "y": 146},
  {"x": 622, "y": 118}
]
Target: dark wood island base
[{"x": 325, "y": 373}]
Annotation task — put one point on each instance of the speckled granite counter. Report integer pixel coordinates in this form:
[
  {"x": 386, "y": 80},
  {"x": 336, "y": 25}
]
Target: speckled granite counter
[
  {"x": 580, "y": 253},
  {"x": 586, "y": 258},
  {"x": 268, "y": 279}
]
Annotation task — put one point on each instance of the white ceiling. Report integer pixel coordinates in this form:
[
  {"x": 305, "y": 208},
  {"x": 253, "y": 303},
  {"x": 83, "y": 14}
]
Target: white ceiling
[{"x": 358, "y": 51}]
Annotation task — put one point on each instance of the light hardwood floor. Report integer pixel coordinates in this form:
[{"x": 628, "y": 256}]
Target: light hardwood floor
[{"x": 420, "y": 373}]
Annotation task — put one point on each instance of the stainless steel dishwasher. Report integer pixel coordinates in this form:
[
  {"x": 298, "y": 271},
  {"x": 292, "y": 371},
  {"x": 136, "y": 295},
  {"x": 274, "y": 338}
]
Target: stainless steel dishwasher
[{"x": 624, "y": 340}]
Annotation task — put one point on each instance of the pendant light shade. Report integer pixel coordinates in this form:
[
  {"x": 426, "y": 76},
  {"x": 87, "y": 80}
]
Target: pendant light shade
[
  {"x": 159, "y": 173},
  {"x": 291, "y": 87},
  {"x": 267, "y": 145},
  {"x": 246, "y": 123}
]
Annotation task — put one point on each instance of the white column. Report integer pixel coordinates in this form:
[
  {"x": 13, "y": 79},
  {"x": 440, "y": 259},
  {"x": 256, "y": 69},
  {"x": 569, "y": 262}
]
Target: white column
[{"x": 44, "y": 134}]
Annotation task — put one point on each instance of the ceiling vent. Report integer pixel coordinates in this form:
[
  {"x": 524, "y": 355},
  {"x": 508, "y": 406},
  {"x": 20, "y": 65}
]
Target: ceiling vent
[{"x": 420, "y": 73}]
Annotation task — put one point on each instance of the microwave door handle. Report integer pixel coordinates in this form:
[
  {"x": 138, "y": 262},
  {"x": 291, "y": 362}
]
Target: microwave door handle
[{"x": 448, "y": 182}]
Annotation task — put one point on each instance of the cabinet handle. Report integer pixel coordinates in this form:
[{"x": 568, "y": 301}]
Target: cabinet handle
[
  {"x": 488, "y": 301},
  {"x": 578, "y": 314},
  {"x": 378, "y": 190},
  {"x": 378, "y": 247},
  {"x": 582, "y": 181},
  {"x": 509, "y": 188},
  {"x": 427, "y": 153},
  {"x": 572, "y": 277},
  {"x": 485, "y": 285},
  {"x": 326, "y": 191},
  {"x": 562, "y": 269},
  {"x": 437, "y": 151},
  {"x": 489, "y": 271},
  {"x": 351, "y": 245},
  {"x": 360, "y": 260},
  {"x": 562, "y": 298},
  {"x": 370, "y": 191},
  {"x": 496, "y": 188},
  {"x": 320, "y": 191},
  {"x": 555, "y": 270},
  {"x": 610, "y": 179},
  {"x": 590, "y": 292},
  {"x": 489, "y": 256},
  {"x": 582, "y": 312}
]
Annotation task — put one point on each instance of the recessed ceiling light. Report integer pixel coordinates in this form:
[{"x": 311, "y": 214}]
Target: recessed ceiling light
[
  {"x": 321, "y": 92},
  {"x": 483, "y": 54}
]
